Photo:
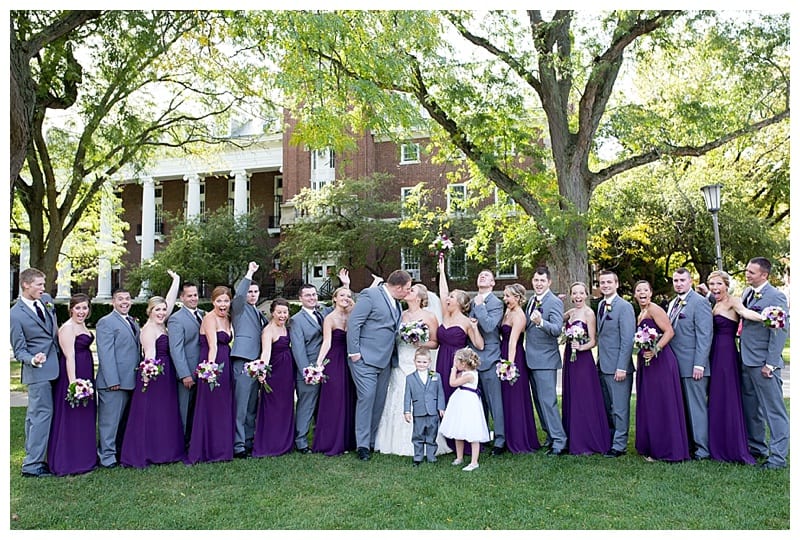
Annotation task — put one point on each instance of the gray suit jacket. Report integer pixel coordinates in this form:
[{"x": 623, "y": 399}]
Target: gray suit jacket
[
  {"x": 247, "y": 323},
  {"x": 615, "y": 331},
  {"x": 184, "y": 342},
  {"x": 694, "y": 326},
  {"x": 489, "y": 314},
  {"x": 305, "y": 336},
  {"x": 30, "y": 336},
  {"x": 541, "y": 344},
  {"x": 118, "y": 352},
  {"x": 372, "y": 328},
  {"x": 424, "y": 399},
  {"x": 761, "y": 345}
]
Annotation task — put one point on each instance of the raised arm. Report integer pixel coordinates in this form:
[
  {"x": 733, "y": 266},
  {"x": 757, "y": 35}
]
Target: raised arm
[
  {"x": 172, "y": 293},
  {"x": 444, "y": 292}
]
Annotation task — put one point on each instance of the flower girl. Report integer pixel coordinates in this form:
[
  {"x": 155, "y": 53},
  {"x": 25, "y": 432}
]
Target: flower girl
[{"x": 463, "y": 419}]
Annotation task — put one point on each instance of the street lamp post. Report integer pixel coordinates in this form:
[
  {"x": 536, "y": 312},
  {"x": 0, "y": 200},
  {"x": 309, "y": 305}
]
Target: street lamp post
[{"x": 711, "y": 194}]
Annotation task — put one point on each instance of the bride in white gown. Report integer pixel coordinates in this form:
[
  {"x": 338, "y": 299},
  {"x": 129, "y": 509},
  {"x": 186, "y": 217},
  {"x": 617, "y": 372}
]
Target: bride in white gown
[{"x": 394, "y": 433}]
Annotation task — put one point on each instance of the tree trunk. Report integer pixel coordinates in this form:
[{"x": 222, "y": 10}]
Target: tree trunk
[{"x": 570, "y": 262}]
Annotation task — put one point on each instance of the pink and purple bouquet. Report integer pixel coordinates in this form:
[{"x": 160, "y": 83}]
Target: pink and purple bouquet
[
  {"x": 774, "y": 317},
  {"x": 441, "y": 245},
  {"x": 576, "y": 334},
  {"x": 507, "y": 371},
  {"x": 149, "y": 369},
  {"x": 209, "y": 371},
  {"x": 258, "y": 369},
  {"x": 315, "y": 374},
  {"x": 79, "y": 392},
  {"x": 645, "y": 339},
  {"x": 414, "y": 332}
]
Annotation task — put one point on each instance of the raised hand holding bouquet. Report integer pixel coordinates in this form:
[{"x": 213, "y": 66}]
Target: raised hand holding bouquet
[
  {"x": 441, "y": 245},
  {"x": 79, "y": 392}
]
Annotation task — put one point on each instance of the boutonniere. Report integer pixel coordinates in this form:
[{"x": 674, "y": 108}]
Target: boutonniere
[
  {"x": 682, "y": 303},
  {"x": 49, "y": 306},
  {"x": 608, "y": 307},
  {"x": 433, "y": 375},
  {"x": 758, "y": 296}
]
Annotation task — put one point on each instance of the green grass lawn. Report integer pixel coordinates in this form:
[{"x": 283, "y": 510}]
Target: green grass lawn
[{"x": 297, "y": 491}]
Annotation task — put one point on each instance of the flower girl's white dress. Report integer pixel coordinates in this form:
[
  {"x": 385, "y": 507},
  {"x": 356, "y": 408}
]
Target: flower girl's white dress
[{"x": 464, "y": 417}]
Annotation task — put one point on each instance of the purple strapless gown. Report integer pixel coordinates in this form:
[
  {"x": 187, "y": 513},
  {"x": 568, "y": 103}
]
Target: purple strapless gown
[
  {"x": 450, "y": 340},
  {"x": 73, "y": 437},
  {"x": 727, "y": 435},
  {"x": 520, "y": 426},
  {"x": 334, "y": 432},
  {"x": 214, "y": 413},
  {"x": 660, "y": 418},
  {"x": 274, "y": 434},
  {"x": 582, "y": 408},
  {"x": 154, "y": 432}
]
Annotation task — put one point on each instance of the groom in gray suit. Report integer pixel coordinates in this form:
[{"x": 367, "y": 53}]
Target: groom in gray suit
[
  {"x": 543, "y": 328},
  {"x": 118, "y": 356},
  {"x": 34, "y": 338},
  {"x": 184, "y": 349},
  {"x": 247, "y": 322},
  {"x": 616, "y": 326},
  {"x": 371, "y": 332},
  {"x": 690, "y": 316},
  {"x": 762, "y": 359}
]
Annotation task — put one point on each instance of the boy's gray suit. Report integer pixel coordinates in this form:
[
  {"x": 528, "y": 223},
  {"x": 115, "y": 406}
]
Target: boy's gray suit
[
  {"x": 424, "y": 401},
  {"x": 30, "y": 336},
  {"x": 694, "y": 326},
  {"x": 247, "y": 322},
  {"x": 489, "y": 314},
  {"x": 184, "y": 349},
  {"x": 118, "y": 356}
]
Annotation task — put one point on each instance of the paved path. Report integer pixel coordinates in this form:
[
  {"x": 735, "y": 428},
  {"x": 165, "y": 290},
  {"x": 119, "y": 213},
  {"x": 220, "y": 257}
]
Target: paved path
[{"x": 20, "y": 399}]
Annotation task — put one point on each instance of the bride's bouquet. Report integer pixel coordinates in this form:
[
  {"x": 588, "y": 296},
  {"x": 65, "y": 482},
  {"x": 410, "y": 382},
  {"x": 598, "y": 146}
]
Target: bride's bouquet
[
  {"x": 259, "y": 370},
  {"x": 774, "y": 317},
  {"x": 507, "y": 371},
  {"x": 149, "y": 369},
  {"x": 315, "y": 374},
  {"x": 414, "y": 332},
  {"x": 209, "y": 372},
  {"x": 79, "y": 392}
]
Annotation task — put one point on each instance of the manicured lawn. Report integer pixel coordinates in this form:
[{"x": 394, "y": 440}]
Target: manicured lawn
[{"x": 316, "y": 492}]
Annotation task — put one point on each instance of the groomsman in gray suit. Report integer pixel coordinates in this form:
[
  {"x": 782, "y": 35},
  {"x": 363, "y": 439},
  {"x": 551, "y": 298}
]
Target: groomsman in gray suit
[
  {"x": 690, "y": 316},
  {"x": 616, "y": 326},
  {"x": 762, "y": 359},
  {"x": 545, "y": 320},
  {"x": 184, "y": 349},
  {"x": 487, "y": 309},
  {"x": 371, "y": 332},
  {"x": 118, "y": 356},
  {"x": 424, "y": 399},
  {"x": 34, "y": 339},
  {"x": 247, "y": 322}
]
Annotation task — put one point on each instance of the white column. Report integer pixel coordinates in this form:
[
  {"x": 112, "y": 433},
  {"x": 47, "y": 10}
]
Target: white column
[
  {"x": 240, "y": 192},
  {"x": 193, "y": 196},
  {"x": 148, "y": 225},
  {"x": 64, "y": 279},
  {"x": 105, "y": 241}
]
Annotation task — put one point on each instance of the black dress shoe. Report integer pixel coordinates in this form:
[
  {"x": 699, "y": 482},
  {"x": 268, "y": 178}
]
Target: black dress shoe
[
  {"x": 757, "y": 456},
  {"x": 41, "y": 473},
  {"x": 305, "y": 450},
  {"x": 241, "y": 455},
  {"x": 416, "y": 464},
  {"x": 614, "y": 453},
  {"x": 112, "y": 466},
  {"x": 555, "y": 453},
  {"x": 699, "y": 458},
  {"x": 363, "y": 453},
  {"x": 498, "y": 450},
  {"x": 771, "y": 466}
]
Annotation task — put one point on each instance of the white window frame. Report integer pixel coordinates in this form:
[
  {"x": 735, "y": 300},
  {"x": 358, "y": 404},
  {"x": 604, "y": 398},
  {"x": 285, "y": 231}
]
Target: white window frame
[
  {"x": 410, "y": 261},
  {"x": 457, "y": 262},
  {"x": 323, "y": 167},
  {"x": 158, "y": 200},
  {"x": 409, "y": 153},
  {"x": 452, "y": 197},
  {"x": 500, "y": 273}
]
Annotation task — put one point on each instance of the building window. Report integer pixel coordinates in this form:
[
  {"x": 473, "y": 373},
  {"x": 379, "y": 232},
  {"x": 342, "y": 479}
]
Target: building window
[
  {"x": 323, "y": 167},
  {"x": 409, "y": 261},
  {"x": 456, "y": 199},
  {"x": 507, "y": 270},
  {"x": 232, "y": 195},
  {"x": 457, "y": 263},
  {"x": 275, "y": 218},
  {"x": 159, "y": 203},
  {"x": 409, "y": 153},
  {"x": 405, "y": 193}
]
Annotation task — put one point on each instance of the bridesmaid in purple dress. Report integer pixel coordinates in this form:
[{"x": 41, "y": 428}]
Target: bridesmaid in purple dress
[
  {"x": 727, "y": 435},
  {"x": 520, "y": 426},
  {"x": 334, "y": 432},
  {"x": 274, "y": 433},
  {"x": 154, "y": 432},
  {"x": 455, "y": 330},
  {"x": 214, "y": 414},
  {"x": 73, "y": 439},
  {"x": 582, "y": 408},
  {"x": 660, "y": 417}
]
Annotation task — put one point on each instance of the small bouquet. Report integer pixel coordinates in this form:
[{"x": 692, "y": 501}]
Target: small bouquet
[
  {"x": 79, "y": 392},
  {"x": 441, "y": 245},
  {"x": 149, "y": 369},
  {"x": 259, "y": 369},
  {"x": 774, "y": 317},
  {"x": 414, "y": 332},
  {"x": 576, "y": 334},
  {"x": 645, "y": 339},
  {"x": 507, "y": 371},
  {"x": 315, "y": 374},
  {"x": 209, "y": 371}
]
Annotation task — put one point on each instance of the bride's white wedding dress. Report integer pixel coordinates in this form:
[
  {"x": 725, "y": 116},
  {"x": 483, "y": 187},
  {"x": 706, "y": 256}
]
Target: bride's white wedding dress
[{"x": 394, "y": 433}]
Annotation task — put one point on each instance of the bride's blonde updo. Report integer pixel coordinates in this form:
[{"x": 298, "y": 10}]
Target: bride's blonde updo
[{"x": 422, "y": 293}]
